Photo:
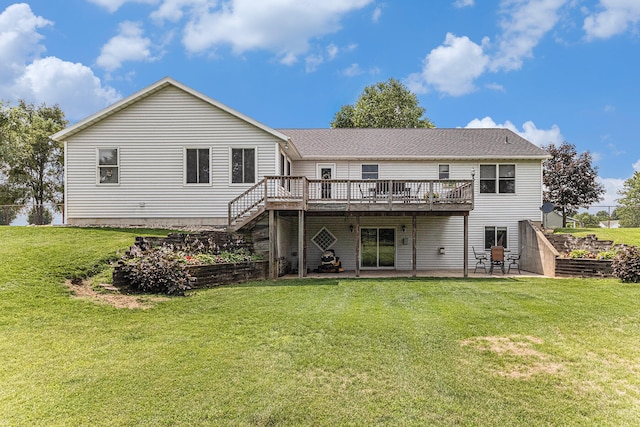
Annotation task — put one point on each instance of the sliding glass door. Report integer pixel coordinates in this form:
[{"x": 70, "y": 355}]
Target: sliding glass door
[{"x": 378, "y": 248}]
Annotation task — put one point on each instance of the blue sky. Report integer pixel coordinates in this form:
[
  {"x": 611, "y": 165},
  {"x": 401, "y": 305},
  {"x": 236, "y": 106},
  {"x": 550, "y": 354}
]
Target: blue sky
[{"x": 551, "y": 70}]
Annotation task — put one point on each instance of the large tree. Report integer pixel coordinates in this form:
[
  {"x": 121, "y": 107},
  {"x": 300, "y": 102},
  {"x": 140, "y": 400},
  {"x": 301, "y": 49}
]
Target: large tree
[
  {"x": 570, "y": 179},
  {"x": 30, "y": 161},
  {"x": 629, "y": 202},
  {"x": 383, "y": 105}
]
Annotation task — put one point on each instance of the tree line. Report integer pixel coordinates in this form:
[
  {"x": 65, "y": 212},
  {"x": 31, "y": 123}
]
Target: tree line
[{"x": 31, "y": 163}]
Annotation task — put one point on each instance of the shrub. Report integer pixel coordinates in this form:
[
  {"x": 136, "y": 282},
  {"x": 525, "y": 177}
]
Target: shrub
[
  {"x": 39, "y": 215},
  {"x": 626, "y": 264},
  {"x": 610, "y": 254},
  {"x": 157, "y": 270},
  {"x": 580, "y": 253}
]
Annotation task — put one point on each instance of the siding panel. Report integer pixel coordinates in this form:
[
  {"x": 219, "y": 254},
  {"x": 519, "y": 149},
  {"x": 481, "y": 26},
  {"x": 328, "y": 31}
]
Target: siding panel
[{"x": 151, "y": 135}]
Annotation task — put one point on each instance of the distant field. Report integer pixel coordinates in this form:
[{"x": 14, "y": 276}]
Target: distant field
[
  {"x": 628, "y": 236},
  {"x": 325, "y": 352}
]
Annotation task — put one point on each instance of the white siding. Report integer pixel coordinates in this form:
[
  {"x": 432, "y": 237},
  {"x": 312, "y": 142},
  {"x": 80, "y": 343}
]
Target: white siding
[
  {"x": 151, "y": 136},
  {"x": 433, "y": 233},
  {"x": 499, "y": 210}
]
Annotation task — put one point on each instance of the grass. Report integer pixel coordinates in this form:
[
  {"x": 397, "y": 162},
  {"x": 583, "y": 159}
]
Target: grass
[
  {"x": 628, "y": 236},
  {"x": 310, "y": 352}
]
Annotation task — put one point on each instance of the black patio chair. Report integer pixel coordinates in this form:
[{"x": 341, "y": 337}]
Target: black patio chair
[
  {"x": 480, "y": 259},
  {"x": 514, "y": 259}
]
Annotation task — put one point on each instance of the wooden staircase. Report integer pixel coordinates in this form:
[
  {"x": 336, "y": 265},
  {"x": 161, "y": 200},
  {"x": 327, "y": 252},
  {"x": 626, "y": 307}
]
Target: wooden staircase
[{"x": 248, "y": 207}]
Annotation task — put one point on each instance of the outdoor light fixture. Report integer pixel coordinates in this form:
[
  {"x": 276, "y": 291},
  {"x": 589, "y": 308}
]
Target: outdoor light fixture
[
  {"x": 351, "y": 228},
  {"x": 473, "y": 173},
  {"x": 441, "y": 250},
  {"x": 404, "y": 228},
  {"x": 286, "y": 145}
]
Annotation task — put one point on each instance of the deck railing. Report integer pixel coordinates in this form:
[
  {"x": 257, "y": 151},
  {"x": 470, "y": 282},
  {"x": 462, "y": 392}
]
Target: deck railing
[{"x": 305, "y": 192}]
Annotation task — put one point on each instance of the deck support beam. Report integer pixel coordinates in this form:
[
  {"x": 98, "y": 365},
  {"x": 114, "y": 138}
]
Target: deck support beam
[
  {"x": 273, "y": 246},
  {"x": 358, "y": 244},
  {"x": 302, "y": 245},
  {"x": 414, "y": 254},
  {"x": 466, "y": 246}
]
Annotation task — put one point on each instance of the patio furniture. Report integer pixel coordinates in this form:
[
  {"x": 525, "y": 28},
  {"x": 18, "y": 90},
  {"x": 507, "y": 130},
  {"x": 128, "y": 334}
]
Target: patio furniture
[
  {"x": 497, "y": 258},
  {"x": 514, "y": 259},
  {"x": 480, "y": 259}
]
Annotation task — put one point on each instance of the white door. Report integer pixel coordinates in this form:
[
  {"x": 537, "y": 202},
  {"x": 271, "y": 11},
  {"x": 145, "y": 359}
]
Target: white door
[{"x": 326, "y": 171}]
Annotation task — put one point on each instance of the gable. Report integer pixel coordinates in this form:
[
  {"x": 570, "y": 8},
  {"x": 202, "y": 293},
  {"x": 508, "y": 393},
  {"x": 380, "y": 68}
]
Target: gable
[{"x": 153, "y": 103}]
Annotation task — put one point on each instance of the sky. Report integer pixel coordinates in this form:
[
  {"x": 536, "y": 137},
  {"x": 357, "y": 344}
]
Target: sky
[{"x": 550, "y": 70}]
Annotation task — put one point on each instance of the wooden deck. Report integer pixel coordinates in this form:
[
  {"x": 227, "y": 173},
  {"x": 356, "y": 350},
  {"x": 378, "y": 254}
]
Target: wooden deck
[{"x": 286, "y": 193}]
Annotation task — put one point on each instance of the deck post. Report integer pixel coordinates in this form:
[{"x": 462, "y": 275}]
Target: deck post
[
  {"x": 414, "y": 255},
  {"x": 273, "y": 262},
  {"x": 358, "y": 243},
  {"x": 302, "y": 248},
  {"x": 466, "y": 245}
]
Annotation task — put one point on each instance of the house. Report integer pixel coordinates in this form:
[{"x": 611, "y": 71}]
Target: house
[
  {"x": 612, "y": 223},
  {"x": 553, "y": 219},
  {"x": 402, "y": 199}
]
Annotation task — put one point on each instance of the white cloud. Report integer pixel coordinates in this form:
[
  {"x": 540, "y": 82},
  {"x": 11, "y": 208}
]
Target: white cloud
[
  {"x": 332, "y": 51},
  {"x": 523, "y": 26},
  {"x": 173, "y": 10},
  {"x": 616, "y": 18},
  {"x": 636, "y": 166},
  {"x": 611, "y": 188},
  {"x": 451, "y": 68},
  {"x": 24, "y": 74},
  {"x": 128, "y": 45},
  {"x": 19, "y": 39},
  {"x": 529, "y": 130},
  {"x": 377, "y": 12},
  {"x": 114, "y": 5},
  {"x": 71, "y": 85},
  {"x": 312, "y": 62},
  {"x": 463, "y": 3},
  {"x": 246, "y": 25},
  {"x": 353, "y": 70}
]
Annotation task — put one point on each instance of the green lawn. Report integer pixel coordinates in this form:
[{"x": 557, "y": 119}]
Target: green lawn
[
  {"x": 629, "y": 236},
  {"x": 313, "y": 352}
]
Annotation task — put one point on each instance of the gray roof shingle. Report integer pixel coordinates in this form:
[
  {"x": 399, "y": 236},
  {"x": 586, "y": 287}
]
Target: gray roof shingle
[{"x": 480, "y": 143}]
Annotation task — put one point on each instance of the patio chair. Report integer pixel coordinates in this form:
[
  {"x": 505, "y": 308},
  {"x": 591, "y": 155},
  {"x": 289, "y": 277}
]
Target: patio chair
[
  {"x": 497, "y": 258},
  {"x": 514, "y": 259},
  {"x": 480, "y": 259}
]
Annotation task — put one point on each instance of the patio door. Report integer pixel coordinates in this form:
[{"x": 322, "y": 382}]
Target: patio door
[
  {"x": 326, "y": 171},
  {"x": 378, "y": 247}
]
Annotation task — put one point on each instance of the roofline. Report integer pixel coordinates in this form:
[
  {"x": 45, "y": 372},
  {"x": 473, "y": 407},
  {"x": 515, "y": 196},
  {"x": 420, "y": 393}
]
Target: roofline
[
  {"x": 422, "y": 158},
  {"x": 149, "y": 90}
]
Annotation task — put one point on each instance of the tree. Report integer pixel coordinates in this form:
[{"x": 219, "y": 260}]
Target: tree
[
  {"x": 30, "y": 161},
  {"x": 629, "y": 203},
  {"x": 383, "y": 105},
  {"x": 587, "y": 220},
  {"x": 570, "y": 179}
]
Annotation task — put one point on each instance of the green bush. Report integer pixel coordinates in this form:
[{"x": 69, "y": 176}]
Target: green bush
[
  {"x": 626, "y": 264},
  {"x": 610, "y": 254},
  {"x": 580, "y": 253},
  {"x": 157, "y": 270},
  {"x": 39, "y": 215}
]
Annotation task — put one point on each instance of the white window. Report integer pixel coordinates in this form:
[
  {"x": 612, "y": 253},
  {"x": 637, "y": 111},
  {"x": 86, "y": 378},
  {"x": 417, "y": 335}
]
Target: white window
[
  {"x": 443, "y": 171},
  {"x": 369, "y": 171},
  {"x": 498, "y": 179},
  {"x": 108, "y": 166},
  {"x": 243, "y": 165},
  {"x": 197, "y": 166}
]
